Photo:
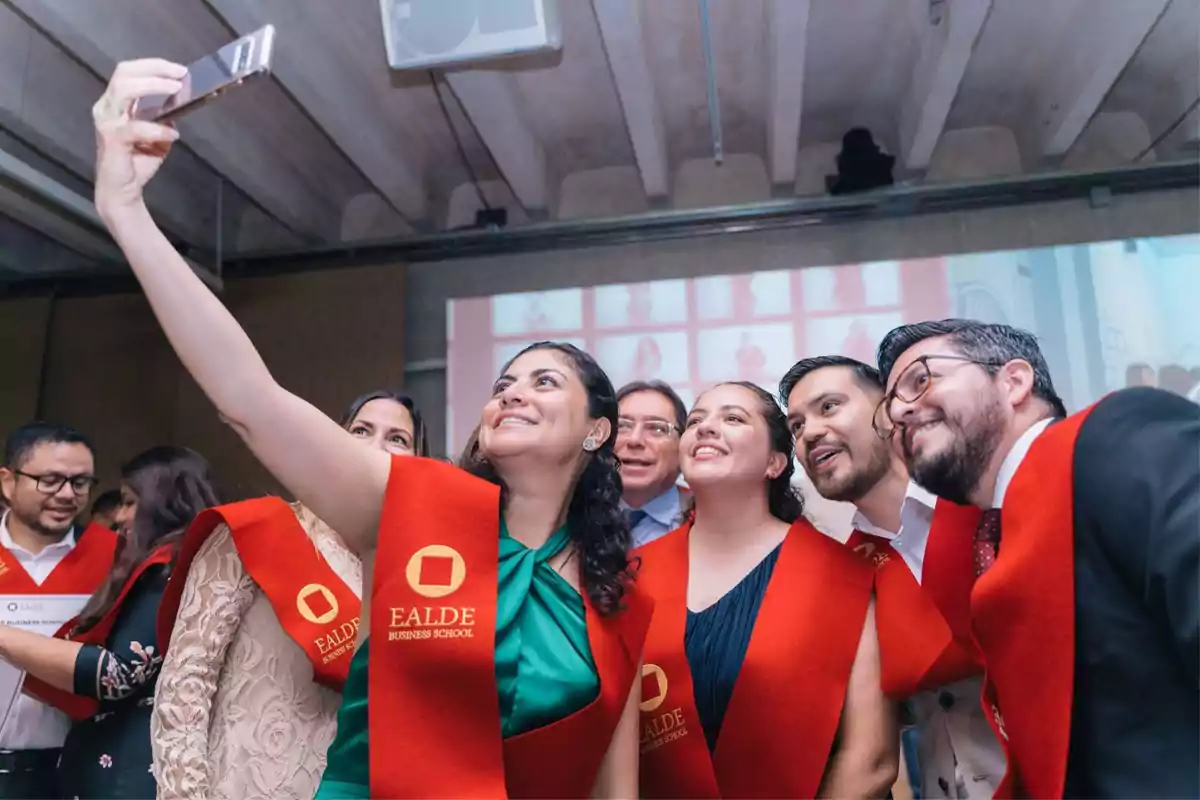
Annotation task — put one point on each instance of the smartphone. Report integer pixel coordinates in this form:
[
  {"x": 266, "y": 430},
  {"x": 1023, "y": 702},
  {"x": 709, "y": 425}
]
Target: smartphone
[{"x": 247, "y": 58}]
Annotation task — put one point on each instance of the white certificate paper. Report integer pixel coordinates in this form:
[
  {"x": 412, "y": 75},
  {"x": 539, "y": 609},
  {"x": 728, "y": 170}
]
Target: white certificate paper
[{"x": 40, "y": 613}]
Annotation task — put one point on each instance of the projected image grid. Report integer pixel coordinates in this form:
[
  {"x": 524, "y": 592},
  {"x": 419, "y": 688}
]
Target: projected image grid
[{"x": 1108, "y": 315}]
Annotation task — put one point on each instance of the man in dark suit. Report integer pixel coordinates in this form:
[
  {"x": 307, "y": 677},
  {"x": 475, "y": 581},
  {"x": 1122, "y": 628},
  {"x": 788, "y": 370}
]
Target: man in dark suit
[{"x": 1086, "y": 600}]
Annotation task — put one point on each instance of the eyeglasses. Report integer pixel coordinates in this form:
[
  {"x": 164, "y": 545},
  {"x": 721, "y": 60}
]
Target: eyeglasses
[
  {"x": 52, "y": 483},
  {"x": 653, "y": 428},
  {"x": 910, "y": 386}
]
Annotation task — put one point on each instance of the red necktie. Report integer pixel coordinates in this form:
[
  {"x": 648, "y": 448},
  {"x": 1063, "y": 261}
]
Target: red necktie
[{"x": 987, "y": 541}]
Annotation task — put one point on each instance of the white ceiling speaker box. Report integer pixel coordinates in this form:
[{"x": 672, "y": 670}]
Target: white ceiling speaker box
[{"x": 420, "y": 34}]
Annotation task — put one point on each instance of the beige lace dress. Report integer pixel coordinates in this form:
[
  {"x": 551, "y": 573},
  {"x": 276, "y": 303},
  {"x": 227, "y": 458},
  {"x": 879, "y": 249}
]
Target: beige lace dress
[{"x": 237, "y": 715}]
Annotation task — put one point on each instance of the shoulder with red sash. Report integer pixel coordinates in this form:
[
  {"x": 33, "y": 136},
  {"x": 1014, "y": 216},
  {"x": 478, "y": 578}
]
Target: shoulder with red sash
[
  {"x": 78, "y": 706},
  {"x": 925, "y": 628},
  {"x": 1029, "y": 683},
  {"x": 315, "y": 607},
  {"x": 79, "y": 573},
  {"x": 432, "y": 678},
  {"x": 780, "y": 724}
]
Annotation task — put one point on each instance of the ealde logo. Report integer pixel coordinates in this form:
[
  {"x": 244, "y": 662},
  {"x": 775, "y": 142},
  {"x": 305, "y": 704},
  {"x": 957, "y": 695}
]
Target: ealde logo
[
  {"x": 317, "y": 604},
  {"x": 434, "y": 571},
  {"x": 654, "y": 687},
  {"x": 658, "y": 728}
]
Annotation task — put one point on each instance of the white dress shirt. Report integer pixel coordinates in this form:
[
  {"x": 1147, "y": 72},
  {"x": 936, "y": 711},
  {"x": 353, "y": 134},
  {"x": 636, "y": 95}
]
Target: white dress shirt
[
  {"x": 33, "y": 725},
  {"x": 1008, "y": 467},
  {"x": 958, "y": 756}
]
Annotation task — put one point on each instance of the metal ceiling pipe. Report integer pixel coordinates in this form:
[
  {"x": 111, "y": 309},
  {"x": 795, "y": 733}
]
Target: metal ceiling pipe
[
  {"x": 710, "y": 76},
  {"x": 896, "y": 202},
  {"x": 900, "y": 202}
]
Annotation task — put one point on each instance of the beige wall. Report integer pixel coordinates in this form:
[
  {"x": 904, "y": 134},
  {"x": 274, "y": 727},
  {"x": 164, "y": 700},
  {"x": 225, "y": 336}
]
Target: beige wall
[{"x": 328, "y": 336}]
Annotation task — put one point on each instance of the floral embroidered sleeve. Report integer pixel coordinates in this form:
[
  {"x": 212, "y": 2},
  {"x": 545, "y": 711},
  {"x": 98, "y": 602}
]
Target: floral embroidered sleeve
[{"x": 130, "y": 662}]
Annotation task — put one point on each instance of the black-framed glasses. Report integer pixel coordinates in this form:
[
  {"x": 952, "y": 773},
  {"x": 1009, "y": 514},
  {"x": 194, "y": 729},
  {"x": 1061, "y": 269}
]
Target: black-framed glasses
[
  {"x": 914, "y": 382},
  {"x": 652, "y": 428},
  {"x": 52, "y": 482}
]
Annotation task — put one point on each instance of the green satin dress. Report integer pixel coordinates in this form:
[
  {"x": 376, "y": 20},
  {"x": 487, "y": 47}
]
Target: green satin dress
[{"x": 544, "y": 665}]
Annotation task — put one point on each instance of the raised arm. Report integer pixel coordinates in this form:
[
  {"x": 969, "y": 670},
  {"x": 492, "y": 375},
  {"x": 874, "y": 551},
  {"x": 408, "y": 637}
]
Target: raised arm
[
  {"x": 306, "y": 451},
  {"x": 617, "y": 778},
  {"x": 867, "y": 757}
]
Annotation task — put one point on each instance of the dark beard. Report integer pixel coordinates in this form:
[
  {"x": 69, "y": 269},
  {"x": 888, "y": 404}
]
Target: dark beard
[
  {"x": 34, "y": 524},
  {"x": 861, "y": 481},
  {"x": 955, "y": 473}
]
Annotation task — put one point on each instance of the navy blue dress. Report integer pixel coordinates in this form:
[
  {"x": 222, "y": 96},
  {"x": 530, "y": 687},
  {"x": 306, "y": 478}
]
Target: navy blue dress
[{"x": 716, "y": 640}]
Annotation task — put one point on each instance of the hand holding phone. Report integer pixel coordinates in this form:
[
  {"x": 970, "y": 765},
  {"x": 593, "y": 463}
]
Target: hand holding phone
[{"x": 247, "y": 58}]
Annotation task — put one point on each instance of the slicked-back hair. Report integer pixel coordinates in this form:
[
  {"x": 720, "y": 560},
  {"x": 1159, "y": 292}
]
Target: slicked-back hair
[
  {"x": 986, "y": 342},
  {"x": 661, "y": 387},
  {"x": 867, "y": 376}
]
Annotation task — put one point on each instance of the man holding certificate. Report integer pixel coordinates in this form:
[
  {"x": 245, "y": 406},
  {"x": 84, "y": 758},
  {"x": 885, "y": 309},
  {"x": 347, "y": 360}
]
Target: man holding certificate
[{"x": 48, "y": 570}]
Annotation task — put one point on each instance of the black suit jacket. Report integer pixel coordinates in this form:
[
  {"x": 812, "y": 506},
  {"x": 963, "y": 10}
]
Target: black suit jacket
[{"x": 1135, "y": 728}]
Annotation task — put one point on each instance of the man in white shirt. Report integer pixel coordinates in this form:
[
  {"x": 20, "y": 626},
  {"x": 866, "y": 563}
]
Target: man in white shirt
[
  {"x": 649, "y": 424},
  {"x": 48, "y": 473},
  {"x": 830, "y": 403}
]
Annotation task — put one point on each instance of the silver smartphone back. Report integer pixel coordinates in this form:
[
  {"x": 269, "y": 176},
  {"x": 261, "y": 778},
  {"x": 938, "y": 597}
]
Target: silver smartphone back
[{"x": 235, "y": 63}]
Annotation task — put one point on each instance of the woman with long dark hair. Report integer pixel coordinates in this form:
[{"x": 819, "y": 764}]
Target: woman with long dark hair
[
  {"x": 762, "y": 649},
  {"x": 103, "y": 670},
  {"x": 505, "y": 636},
  {"x": 264, "y": 582}
]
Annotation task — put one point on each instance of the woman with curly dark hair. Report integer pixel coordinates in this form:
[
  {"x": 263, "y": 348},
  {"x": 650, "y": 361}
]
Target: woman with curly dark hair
[
  {"x": 504, "y": 637},
  {"x": 102, "y": 668},
  {"x": 762, "y": 650}
]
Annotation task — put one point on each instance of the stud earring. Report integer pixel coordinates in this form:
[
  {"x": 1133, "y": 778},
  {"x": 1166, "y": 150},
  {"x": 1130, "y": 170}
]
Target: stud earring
[{"x": 589, "y": 444}]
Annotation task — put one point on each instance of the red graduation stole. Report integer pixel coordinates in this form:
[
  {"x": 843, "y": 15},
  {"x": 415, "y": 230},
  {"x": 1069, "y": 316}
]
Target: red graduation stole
[
  {"x": 435, "y": 713},
  {"x": 918, "y": 648},
  {"x": 778, "y": 730},
  {"x": 315, "y": 607},
  {"x": 1029, "y": 682},
  {"x": 80, "y": 572},
  {"x": 77, "y": 706}
]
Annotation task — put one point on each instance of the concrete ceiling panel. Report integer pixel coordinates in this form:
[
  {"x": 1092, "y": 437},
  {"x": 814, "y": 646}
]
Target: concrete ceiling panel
[
  {"x": 256, "y": 136},
  {"x": 1103, "y": 39},
  {"x": 494, "y": 104},
  {"x": 620, "y": 24},
  {"x": 858, "y": 66},
  {"x": 787, "y": 38},
  {"x": 1163, "y": 79},
  {"x": 48, "y": 110},
  {"x": 945, "y": 45},
  {"x": 331, "y": 58}
]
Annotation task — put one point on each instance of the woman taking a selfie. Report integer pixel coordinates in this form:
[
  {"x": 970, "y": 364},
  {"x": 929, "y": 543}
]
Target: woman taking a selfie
[
  {"x": 551, "y": 627},
  {"x": 103, "y": 670},
  {"x": 265, "y": 598},
  {"x": 762, "y": 648}
]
